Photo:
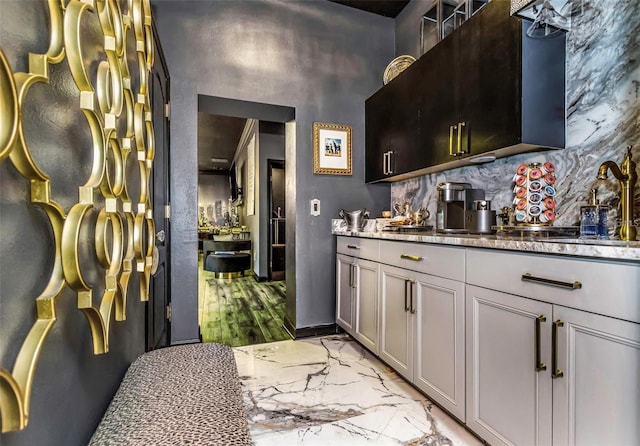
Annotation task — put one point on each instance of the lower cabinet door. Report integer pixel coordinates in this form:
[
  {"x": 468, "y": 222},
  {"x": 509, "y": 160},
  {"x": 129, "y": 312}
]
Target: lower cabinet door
[
  {"x": 345, "y": 281},
  {"x": 396, "y": 340},
  {"x": 366, "y": 304},
  {"x": 440, "y": 343},
  {"x": 596, "y": 401},
  {"x": 509, "y": 389}
]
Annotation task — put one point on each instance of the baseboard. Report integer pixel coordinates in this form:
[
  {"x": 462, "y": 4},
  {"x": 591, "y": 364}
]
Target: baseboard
[
  {"x": 259, "y": 278},
  {"x": 318, "y": 330}
]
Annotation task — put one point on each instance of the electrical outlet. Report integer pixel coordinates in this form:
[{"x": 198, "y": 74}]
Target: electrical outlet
[{"x": 315, "y": 207}]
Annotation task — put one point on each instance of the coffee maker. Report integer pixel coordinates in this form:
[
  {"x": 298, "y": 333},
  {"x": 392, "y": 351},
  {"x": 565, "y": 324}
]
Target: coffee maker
[{"x": 455, "y": 200}]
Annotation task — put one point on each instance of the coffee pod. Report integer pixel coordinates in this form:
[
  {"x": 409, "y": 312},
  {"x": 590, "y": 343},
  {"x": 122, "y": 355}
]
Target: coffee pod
[
  {"x": 535, "y": 198},
  {"x": 549, "y": 191},
  {"x": 520, "y": 192},
  {"x": 522, "y": 169},
  {"x": 520, "y": 215},
  {"x": 548, "y": 167},
  {"x": 535, "y": 186},
  {"x": 521, "y": 204},
  {"x": 549, "y": 179},
  {"x": 547, "y": 216},
  {"x": 520, "y": 180},
  {"x": 535, "y": 210},
  {"x": 535, "y": 174},
  {"x": 549, "y": 203}
]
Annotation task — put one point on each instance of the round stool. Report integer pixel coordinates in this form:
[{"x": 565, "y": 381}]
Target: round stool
[{"x": 228, "y": 265}]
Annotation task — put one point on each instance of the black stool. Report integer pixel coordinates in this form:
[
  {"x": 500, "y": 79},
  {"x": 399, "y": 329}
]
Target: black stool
[{"x": 228, "y": 265}]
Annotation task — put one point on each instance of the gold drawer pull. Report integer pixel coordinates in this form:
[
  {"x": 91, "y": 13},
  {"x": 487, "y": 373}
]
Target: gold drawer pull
[
  {"x": 527, "y": 277},
  {"x": 410, "y": 257},
  {"x": 353, "y": 247}
]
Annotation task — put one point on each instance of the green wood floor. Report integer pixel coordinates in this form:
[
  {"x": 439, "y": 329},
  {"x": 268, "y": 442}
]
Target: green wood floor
[{"x": 240, "y": 311}]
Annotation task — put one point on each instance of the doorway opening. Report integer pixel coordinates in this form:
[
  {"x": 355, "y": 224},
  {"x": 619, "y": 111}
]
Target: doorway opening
[{"x": 242, "y": 198}]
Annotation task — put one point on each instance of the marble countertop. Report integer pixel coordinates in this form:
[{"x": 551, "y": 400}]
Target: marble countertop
[{"x": 604, "y": 249}]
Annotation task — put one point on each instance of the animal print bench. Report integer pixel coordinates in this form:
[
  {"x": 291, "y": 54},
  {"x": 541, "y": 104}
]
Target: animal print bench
[{"x": 187, "y": 394}]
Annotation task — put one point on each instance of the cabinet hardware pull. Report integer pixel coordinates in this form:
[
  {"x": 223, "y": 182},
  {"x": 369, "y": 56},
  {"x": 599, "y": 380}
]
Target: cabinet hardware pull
[
  {"x": 384, "y": 163},
  {"x": 353, "y": 247},
  {"x": 390, "y": 170},
  {"x": 451, "y": 129},
  {"x": 540, "y": 366},
  {"x": 527, "y": 277},
  {"x": 555, "y": 371},
  {"x": 413, "y": 310},
  {"x": 410, "y": 257},
  {"x": 351, "y": 275},
  {"x": 460, "y": 125},
  {"x": 406, "y": 304}
]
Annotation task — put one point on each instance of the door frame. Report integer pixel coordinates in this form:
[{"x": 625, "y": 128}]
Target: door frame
[{"x": 160, "y": 68}]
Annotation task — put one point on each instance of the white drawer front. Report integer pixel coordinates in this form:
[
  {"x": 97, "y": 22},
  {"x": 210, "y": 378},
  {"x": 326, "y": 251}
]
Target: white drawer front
[
  {"x": 440, "y": 261},
  {"x": 365, "y": 248},
  {"x": 608, "y": 288}
]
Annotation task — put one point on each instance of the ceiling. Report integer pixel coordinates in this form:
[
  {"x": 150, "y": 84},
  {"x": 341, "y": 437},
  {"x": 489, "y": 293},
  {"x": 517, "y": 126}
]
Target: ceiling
[
  {"x": 387, "y": 8},
  {"x": 218, "y": 137}
]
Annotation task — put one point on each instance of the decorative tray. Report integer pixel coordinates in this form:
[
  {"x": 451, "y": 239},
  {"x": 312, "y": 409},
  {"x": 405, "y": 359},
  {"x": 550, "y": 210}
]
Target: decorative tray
[
  {"x": 396, "y": 66},
  {"x": 538, "y": 230},
  {"x": 408, "y": 228}
]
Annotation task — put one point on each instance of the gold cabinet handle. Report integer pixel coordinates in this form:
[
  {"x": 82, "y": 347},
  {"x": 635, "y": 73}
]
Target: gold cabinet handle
[
  {"x": 451, "y": 130},
  {"x": 527, "y": 277},
  {"x": 555, "y": 371},
  {"x": 410, "y": 257},
  {"x": 353, "y": 247},
  {"x": 460, "y": 125},
  {"x": 540, "y": 366}
]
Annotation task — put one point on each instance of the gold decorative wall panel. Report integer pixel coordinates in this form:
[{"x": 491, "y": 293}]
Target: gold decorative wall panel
[{"x": 120, "y": 122}]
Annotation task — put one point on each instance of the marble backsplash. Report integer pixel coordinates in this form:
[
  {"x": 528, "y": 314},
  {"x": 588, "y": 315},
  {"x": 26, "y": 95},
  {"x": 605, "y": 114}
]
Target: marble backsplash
[{"x": 603, "y": 117}]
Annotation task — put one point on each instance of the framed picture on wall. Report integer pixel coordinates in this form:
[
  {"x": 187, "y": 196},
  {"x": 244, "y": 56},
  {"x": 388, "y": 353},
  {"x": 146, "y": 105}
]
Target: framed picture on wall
[{"x": 331, "y": 149}]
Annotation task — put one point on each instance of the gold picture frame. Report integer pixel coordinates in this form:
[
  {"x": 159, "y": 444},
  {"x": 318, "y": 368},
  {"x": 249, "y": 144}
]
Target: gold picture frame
[{"x": 331, "y": 149}]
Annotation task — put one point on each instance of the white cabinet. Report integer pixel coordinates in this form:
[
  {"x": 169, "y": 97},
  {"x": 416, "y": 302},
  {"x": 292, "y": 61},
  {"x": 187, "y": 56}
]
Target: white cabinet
[
  {"x": 357, "y": 291},
  {"x": 539, "y": 372},
  {"x": 366, "y": 304},
  {"x": 422, "y": 333},
  {"x": 597, "y": 400},
  {"x": 345, "y": 285},
  {"x": 396, "y": 320},
  {"x": 508, "y": 392}
]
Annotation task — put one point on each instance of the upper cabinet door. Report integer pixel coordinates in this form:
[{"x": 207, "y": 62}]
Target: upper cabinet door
[
  {"x": 438, "y": 102},
  {"x": 489, "y": 80},
  {"x": 392, "y": 127}
]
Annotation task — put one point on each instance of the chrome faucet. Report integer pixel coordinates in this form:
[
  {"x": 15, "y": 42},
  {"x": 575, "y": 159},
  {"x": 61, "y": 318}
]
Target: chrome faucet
[{"x": 626, "y": 175}]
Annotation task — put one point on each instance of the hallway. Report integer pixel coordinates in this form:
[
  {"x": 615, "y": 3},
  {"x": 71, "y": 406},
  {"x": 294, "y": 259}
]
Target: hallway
[{"x": 240, "y": 311}]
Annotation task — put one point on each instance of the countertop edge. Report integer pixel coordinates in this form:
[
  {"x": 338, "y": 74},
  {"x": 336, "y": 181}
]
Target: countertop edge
[{"x": 626, "y": 253}]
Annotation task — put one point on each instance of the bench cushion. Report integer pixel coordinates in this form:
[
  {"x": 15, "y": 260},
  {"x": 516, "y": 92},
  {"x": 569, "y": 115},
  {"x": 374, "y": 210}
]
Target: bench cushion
[{"x": 187, "y": 394}]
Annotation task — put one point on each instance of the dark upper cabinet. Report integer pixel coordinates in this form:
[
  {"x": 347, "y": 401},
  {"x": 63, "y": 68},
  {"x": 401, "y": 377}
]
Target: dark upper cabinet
[
  {"x": 484, "y": 90},
  {"x": 392, "y": 127}
]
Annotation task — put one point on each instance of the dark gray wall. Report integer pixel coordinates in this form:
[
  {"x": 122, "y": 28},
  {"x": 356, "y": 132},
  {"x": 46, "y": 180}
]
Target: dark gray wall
[
  {"x": 321, "y": 58},
  {"x": 408, "y": 27},
  {"x": 72, "y": 386}
]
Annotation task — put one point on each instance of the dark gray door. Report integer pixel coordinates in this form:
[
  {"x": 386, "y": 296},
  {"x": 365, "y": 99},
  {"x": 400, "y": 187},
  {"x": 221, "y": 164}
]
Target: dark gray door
[{"x": 158, "y": 318}]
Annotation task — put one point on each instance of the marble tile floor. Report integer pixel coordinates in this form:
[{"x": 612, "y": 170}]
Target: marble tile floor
[{"x": 331, "y": 391}]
